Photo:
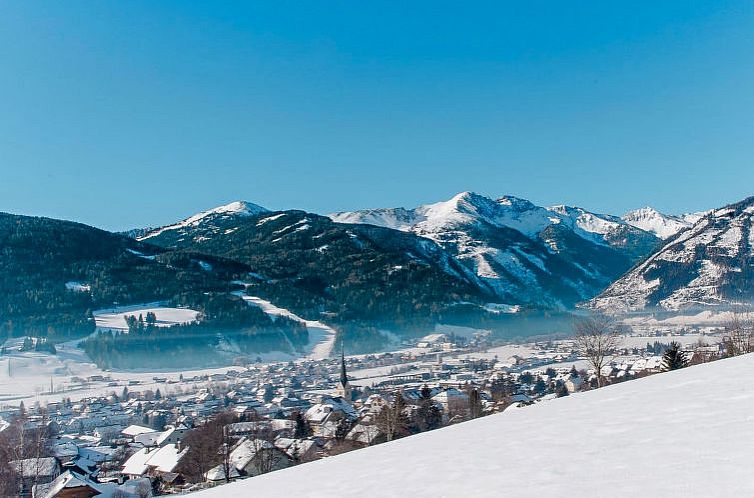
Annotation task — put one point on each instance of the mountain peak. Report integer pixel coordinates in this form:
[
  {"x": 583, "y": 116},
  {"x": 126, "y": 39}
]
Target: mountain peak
[
  {"x": 241, "y": 208},
  {"x": 235, "y": 208},
  {"x": 651, "y": 220}
]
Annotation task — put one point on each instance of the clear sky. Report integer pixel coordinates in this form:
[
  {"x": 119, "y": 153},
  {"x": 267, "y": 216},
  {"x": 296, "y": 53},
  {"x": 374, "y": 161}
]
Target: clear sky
[{"x": 123, "y": 114}]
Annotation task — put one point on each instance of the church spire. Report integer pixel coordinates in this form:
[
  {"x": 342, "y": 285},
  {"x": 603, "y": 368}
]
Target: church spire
[
  {"x": 344, "y": 388},
  {"x": 343, "y": 375}
]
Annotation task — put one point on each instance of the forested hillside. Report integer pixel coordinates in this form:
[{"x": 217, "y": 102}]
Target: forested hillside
[{"x": 54, "y": 273}]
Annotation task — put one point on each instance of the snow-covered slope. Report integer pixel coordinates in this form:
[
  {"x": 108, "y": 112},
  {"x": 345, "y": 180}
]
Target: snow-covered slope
[
  {"x": 682, "y": 433},
  {"x": 237, "y": 208},
  {"x": 523, "y": 252},
  {"x": 708, "y": 264}
]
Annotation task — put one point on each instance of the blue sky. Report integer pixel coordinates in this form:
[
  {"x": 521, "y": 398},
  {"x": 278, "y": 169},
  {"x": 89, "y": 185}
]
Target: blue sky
[{"x": 123, "y": 114}]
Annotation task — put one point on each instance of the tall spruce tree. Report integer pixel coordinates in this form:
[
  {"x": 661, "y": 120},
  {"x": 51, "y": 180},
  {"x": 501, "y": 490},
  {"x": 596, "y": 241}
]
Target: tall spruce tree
[{"x": 674, "y": 358}]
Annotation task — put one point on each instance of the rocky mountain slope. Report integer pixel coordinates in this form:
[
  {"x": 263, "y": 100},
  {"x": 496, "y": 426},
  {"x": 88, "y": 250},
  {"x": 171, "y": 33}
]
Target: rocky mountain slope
[
  {"x": 709, "y": 264},
  {"x": 521, "y": 252}
]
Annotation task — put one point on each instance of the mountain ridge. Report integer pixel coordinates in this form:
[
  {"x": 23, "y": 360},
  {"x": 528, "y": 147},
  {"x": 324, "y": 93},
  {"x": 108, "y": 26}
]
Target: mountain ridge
[{"x": 708, "y": 264}]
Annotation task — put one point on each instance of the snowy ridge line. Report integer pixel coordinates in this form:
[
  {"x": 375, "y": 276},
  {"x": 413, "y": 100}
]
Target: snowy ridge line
[{"x": 237, "y": 208}]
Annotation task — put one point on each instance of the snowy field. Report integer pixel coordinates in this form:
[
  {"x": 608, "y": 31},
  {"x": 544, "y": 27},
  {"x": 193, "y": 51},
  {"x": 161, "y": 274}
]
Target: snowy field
[
  {"x": 115, "y": 318},
  {"x": 683, "y": 433}
]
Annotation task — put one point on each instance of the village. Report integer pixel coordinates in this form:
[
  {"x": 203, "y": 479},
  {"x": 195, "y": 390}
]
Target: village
[{"x": 178, "y": 434}]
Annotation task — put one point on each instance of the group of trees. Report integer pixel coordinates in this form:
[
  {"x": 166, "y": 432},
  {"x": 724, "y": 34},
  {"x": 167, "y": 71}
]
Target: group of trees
[{"x": 205, "y": 445}]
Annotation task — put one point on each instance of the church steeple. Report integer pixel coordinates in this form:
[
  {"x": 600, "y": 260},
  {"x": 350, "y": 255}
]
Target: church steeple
[{"x": 344, "y": 388}]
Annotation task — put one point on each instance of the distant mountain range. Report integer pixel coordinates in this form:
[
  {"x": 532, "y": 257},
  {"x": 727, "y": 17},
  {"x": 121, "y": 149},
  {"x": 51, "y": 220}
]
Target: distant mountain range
[
  {"x": 385, "y": 268},
  {"x": 709, "y": 264},
  {"x": 520, "y": 252}
]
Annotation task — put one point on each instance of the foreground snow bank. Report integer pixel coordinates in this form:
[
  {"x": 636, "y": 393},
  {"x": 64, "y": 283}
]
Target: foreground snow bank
[{"x": 683, "y": 433}]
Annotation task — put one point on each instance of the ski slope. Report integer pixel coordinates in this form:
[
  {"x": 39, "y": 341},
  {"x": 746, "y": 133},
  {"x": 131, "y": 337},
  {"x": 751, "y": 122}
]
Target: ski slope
[
  {"x": 321, "y": 336},
  {"x": 683, "y": 433}
]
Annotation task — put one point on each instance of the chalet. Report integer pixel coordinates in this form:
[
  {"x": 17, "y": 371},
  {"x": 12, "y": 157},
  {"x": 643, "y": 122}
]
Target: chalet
[
  {"x": 252, "y": 457},
  {"x": 68, "y": 485},
  {"x": 299, "y": 450},
  {"x": 154, "y": 462}
]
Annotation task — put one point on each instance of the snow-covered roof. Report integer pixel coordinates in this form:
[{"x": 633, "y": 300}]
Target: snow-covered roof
[
  {"x": 134, "y": 430},
  {"x": 217, "y": 473},
  {"x": 66, "y": 480},
  {"x": 593, "y": 440},
  {"x": 245, "y": 452},
  {"x": 163, "y": 459}
]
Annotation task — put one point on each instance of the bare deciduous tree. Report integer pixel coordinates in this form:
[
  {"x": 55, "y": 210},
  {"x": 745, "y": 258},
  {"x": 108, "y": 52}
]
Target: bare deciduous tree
[
  {"x": 597, "y": 338},
  {"x": 203, "y": 444},
  {"x": 392, "y": 420},
  {"x": 739, "y": 333}
]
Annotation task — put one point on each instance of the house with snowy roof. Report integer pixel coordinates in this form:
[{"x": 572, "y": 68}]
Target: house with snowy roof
[
  {"x": 251, "y": 457},
  {"x": 71, "y": 484},
  {"x": 329, "y": 411},
  {"x": 154, "y": 461}
]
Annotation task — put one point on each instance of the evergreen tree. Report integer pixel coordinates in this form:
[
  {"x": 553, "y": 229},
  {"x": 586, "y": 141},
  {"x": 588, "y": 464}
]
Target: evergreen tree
[
  {"x": 428, "y": 415},
  {"x": 303, "y": 429},
  {"x": 342, "y": 429},
  {"x": 674, "y": 358},
  {"x": 269, "y": 393},
  {"x": 157, "y": 395}
]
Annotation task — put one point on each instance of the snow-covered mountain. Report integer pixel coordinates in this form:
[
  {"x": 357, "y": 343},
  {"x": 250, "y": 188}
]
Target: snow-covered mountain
[
  {"x": 227, "y": 211},
  {"x": 638, "y": 447},
  {"x": 523, "y": 252},
  {"x": 709, "y": 264},
  {"x": 651, "y": 220},
  {"x": 311, "y": 265}
]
